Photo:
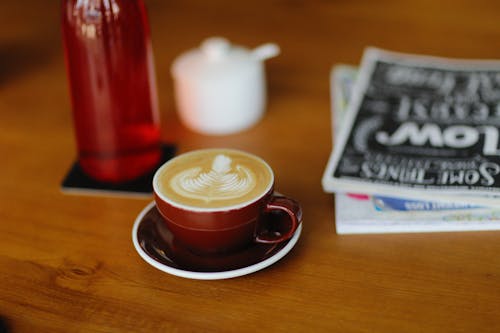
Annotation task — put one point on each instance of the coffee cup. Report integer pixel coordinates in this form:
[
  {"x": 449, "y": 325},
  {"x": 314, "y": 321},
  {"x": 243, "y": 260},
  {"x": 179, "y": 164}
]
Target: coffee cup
[{"x": 223, "y": 200}]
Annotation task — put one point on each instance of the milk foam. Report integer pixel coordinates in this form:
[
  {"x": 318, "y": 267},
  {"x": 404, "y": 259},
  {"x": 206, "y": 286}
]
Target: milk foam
[{"x": 223, "y": 181}]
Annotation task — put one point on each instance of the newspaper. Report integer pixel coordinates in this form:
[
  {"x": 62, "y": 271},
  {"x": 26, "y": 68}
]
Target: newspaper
[
  {"x": 362, "y": 213},
  {"x": 420, "y": 127}
]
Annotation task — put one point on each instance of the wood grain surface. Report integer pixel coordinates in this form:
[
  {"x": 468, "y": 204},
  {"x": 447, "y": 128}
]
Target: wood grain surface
[{"x": 67, "y": 263}]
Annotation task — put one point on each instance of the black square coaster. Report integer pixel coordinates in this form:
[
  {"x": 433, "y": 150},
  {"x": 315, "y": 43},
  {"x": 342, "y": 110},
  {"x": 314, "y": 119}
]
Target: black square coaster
[{"x": 77, "y": 182}]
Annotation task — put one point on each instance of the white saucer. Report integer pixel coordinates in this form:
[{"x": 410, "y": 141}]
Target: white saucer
[{"x": 160, "y": 259}]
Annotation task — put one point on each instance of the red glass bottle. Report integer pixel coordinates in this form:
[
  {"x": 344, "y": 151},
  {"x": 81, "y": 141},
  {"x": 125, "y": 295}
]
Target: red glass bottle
[{"x": 111, "y": 75}]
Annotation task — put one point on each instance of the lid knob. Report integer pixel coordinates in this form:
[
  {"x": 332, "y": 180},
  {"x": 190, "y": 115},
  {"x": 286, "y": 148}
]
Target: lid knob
[{"x": 215, "y": 48}]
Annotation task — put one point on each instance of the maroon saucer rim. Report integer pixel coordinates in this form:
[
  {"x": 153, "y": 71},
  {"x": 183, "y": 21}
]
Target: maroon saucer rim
[{"x": 158, "y": 243}]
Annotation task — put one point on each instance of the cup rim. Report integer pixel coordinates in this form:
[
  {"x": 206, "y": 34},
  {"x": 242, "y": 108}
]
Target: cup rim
[{"x": 172, "y": 203}]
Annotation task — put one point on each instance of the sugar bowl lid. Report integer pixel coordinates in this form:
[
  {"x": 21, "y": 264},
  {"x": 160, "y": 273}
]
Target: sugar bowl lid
[{"x": 217, "y": 57}]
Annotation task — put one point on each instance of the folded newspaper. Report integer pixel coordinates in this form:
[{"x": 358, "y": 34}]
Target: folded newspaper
[
  {"x": 375, "y": 212},
  {"x": 420, "y": 127}
]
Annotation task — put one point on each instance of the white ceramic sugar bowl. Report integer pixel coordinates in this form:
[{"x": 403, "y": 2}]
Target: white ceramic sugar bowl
[{"x": 221, "y": 88}]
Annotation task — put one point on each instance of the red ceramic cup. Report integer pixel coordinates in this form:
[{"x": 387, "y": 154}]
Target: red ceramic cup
[{"x": 266, "y": 218}]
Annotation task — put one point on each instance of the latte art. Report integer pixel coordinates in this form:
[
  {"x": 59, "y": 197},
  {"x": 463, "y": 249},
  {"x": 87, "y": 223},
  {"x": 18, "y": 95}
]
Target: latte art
[
  {"x": 222, "y": 182},
  {"x": 213, "y": 179}
]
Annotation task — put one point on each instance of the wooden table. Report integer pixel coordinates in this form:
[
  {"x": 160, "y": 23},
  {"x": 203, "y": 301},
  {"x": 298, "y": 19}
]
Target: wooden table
[{"x": 67, "y": 263}]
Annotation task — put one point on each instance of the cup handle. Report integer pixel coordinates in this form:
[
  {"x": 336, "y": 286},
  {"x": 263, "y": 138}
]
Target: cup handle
[{"x": 291, "y": 208}]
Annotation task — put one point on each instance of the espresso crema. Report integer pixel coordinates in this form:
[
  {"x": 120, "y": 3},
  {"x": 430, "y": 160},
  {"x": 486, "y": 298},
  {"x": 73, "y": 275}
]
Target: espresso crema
[{"x": 214, "y": 178}]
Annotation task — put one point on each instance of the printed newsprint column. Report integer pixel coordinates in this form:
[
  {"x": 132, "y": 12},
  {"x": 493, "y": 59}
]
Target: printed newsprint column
[{"x": 421, "y": 127}]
